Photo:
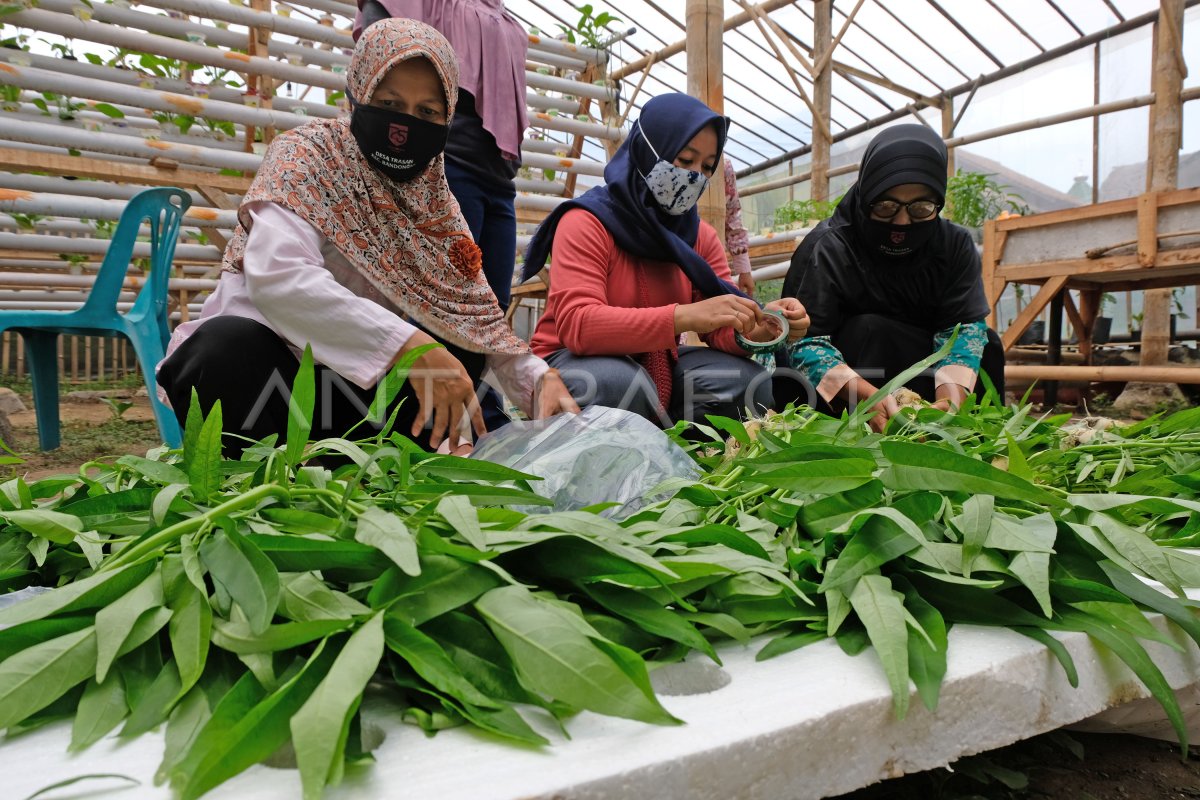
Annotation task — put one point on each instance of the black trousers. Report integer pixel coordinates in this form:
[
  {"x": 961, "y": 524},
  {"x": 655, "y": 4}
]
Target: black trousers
[
  {"x": 247, "y": 367},
  {"x": 879, "y": 348}
]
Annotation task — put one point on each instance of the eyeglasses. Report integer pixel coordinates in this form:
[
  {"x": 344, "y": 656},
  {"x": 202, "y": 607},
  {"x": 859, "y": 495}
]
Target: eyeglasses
[{"x": 917, "y": 209}]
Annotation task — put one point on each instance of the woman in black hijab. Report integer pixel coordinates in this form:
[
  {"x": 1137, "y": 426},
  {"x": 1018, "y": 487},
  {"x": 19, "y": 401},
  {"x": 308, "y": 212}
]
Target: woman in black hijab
[{"x": 885, "y": 281}]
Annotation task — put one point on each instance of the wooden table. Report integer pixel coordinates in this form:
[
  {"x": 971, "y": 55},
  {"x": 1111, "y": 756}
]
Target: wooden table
[{"x": 1151, "y": 241}]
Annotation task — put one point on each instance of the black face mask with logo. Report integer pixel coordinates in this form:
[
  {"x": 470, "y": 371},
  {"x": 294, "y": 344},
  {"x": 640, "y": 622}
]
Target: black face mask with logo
[
  {"x": 398, "y": 145},
  {"x": 898, "y": 240}
]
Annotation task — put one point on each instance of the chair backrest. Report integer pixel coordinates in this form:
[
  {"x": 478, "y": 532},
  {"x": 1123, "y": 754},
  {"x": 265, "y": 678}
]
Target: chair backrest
[{"x": 163, "y": 208}]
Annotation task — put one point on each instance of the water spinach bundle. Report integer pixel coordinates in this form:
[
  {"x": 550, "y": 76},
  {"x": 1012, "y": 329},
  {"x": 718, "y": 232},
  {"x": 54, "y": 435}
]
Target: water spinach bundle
[{"x": 250, "y": 605}]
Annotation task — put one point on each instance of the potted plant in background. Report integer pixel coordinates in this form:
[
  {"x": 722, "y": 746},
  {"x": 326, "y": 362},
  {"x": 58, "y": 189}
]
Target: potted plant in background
[
  {"x": 1102, "y": 327},
  {"x": 972, "y": 198}
]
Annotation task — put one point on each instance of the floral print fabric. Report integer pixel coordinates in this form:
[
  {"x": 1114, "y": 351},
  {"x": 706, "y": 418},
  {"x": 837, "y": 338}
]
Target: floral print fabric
[{"x": 409, "y": 239}]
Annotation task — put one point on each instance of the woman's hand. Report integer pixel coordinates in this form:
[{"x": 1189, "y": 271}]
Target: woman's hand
[
  {"x": 796, "y": 315},
  {"x": 444, "y": 392},
  {"x": 724, "y": 311},
  {"x": 745, "y": 282},
  {"x": 857, "y": 390},
  {"x": 552, "y": 397},
  {"x": 950, "y": 396}
]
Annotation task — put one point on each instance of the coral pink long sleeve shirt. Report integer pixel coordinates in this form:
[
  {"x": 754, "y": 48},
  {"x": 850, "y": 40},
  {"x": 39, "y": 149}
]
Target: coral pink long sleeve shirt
[{"x": 604, "y": 301}]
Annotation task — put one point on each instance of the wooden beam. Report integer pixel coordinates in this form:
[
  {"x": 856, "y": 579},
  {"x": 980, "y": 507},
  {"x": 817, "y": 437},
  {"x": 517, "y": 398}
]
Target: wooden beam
[
  {"x": 819, "y": 124},
  {"x": 827, "y": 52},
  {"x": 14, "y": 160},
  {"x": 1039, "y": 302},
  {"x": 735, "y": 21},
  {"x": 847, "y": 70},
  {"x": 705, "y": 74}
]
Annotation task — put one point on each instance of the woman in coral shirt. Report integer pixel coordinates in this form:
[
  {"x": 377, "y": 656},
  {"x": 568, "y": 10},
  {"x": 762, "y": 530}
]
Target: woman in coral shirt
[{"x": 634, "y": 269}]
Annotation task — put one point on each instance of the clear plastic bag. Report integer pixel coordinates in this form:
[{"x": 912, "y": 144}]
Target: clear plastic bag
[{"x": 598, "y": 456}]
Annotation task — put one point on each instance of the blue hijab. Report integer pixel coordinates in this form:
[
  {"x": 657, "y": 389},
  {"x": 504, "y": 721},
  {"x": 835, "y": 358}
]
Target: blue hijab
[{"x": 627, "y": 209}]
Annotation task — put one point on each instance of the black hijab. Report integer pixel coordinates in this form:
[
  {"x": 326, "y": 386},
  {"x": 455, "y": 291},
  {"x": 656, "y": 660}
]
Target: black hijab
[
  {"x": 839, "y": 270},
  {"x": 625, "y": 205}
]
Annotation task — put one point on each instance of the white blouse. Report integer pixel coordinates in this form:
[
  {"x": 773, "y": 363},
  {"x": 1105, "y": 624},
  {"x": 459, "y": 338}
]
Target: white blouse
[{"x": 298, "y": 284}]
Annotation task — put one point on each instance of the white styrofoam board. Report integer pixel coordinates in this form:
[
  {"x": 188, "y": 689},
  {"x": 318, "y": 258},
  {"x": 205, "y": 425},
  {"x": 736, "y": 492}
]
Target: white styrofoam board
[{"x": 808, "y": 724}]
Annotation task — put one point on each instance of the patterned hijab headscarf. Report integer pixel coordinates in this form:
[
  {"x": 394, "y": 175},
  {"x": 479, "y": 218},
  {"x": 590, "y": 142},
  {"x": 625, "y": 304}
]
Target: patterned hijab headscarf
[{"x": 409, "y": 239}]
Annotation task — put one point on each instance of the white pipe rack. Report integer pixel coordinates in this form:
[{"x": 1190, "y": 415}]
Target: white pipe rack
[
  {"x": 578, "y": 127},
  {"x": 62, "y": 205},
  {"x": 578, "y": 166},
  {"x": 135, "y": 37},
  {"x": 65, "y": 244},
  {"x": 241, "y": 15},
  {"x": 118, "y": 144},
  {"x": 171, "y": 102},
  {"x": 132, "y": 282},
  {"x": 127, "y": 77},
  {"x": 105, "y": 190}
]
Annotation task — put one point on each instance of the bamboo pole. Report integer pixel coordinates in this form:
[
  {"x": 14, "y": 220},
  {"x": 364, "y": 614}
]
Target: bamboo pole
[
  {"x": 1166, "y": 128},
  {"x": 948, "y": 121},
  {"x": 823, "y": 93},
  {"x": 1148, "y": 374}
]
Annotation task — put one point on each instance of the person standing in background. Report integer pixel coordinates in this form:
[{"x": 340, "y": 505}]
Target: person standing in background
[
  {"x": 483, "y": 151},
  {"x": 737, "y": 238}
]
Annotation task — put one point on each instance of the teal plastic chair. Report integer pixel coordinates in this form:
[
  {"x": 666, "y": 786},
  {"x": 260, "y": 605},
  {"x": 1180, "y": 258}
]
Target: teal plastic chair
[{"x": 145, "y": 324}]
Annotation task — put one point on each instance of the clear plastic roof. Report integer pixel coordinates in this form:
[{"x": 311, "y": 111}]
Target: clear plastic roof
[{"x": 890, "y": 54}]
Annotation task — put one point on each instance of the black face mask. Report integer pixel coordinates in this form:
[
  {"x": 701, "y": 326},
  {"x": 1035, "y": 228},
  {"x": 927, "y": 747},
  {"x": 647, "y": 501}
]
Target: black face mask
[
  {"x": 898, "y": 240},
  {"x": 398, "y": 145}
]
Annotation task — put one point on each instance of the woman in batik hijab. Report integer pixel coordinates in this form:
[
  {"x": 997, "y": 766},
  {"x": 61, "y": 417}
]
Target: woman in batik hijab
[{"x": 349, "y": 241}]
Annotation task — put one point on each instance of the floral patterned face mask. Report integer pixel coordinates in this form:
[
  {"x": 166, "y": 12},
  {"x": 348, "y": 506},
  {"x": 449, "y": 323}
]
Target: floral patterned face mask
[{"x": 675, "y": 189}]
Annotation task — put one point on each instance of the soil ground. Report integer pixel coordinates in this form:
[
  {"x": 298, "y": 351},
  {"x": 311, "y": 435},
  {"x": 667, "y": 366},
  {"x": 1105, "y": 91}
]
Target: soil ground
[{"x": 1059, "y": 765}]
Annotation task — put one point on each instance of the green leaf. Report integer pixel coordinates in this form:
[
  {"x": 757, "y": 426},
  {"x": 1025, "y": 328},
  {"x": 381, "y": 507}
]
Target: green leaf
[
  {"x": 444, "y": 584},
  {"x": 480, "y": 495},
  {"x": 1017, "y": 464},
  {"x": 37, "y": 676},
  {"x": 155, "y": 704},
  {"x": 222, "y": 750},
  {"x": 156, "y": 471},
  {"x": 190, "y": 630},
  {"x": 1135, "y": 590},
  {"x": 94, "y": 776},
  {"x": 881, "y": 611},
  {"x": 387, "y": 389},
  {"x": 245, "y": 573},
  {"x": 553, "y": 658},
  {"x": 305, "y": 598},
  {"x": 1033, "y": 570},
  {"x": 115, "y": 622},
  {"x": 321, "y": 726},
  {"x": 877, "y": 542},
  {"x": 351, "y": 560},
  {"x": 101, "y": 709},
  {"x": 1135, "y": 657},
  {"x": 107, "y": 109},
  {"x": 387, "y": 532},
  {"x": 923, "y": 466},
  {"x": 55, "y": 526},
  {"x": 240, "y": 638},
  {"x": 185, "y": 722},
  {"x": 817, "y": 477},
  {"x": 787, "y": 643},
  {"x": 27, "y": 634},
  {"x": 1138, "y": 549},
  {"x": 456, "y": 468},
  {"x": 301, "y": 402},
  {"x": 649, "y": 616},
  {"x": 926, "y": 653},
  {"x": 191, "y": 432},
  {"x": 94, "y": 591},
  {"x": 974, "y": 523},
  {"x": 1035, "y": 534},
  {"x": 204, "y": 461},
  {"x": 430, "y": 661},
  {"x": 1056, "y": 647},
  {"x": 464, "y": 519}
]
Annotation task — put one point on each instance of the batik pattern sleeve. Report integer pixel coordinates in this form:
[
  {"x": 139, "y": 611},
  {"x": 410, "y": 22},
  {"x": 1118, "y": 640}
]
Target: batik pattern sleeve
[
  {"x": 961, "y": 364},
  {"x": 822, "y": 365},
  {"x": 737, "y": 238}
]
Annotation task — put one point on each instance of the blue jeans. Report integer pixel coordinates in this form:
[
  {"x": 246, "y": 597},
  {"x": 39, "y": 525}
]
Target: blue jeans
[{"x": 491, "y": 216}]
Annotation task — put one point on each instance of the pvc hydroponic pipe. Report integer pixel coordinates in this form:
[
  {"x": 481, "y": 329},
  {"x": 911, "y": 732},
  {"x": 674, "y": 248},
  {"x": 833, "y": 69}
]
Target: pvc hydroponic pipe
[
  {"x": 65, "y": 244},
  {"x": 73, "y": 86},
  {"x": 126, "y": 77},
  {"x": 63, "y": 205},
  {"x": 104, "y": 190},
  {"x": 137, "y": 39},
  {"x": 186, "y": 29},
  {"x": 119, "y": 144}
]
